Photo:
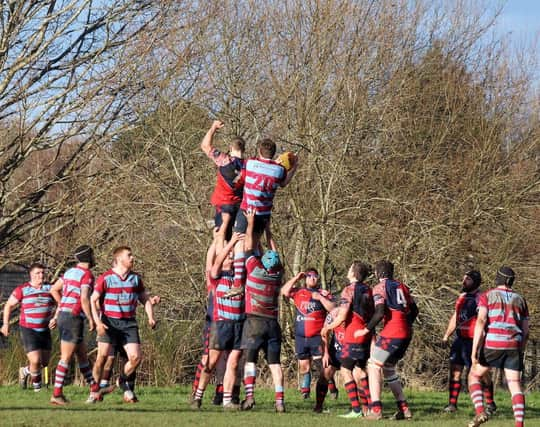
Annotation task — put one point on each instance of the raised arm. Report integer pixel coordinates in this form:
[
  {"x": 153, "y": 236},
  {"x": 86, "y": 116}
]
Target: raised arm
[
  {"x": 289, "y": 175},
  {"x": 287, "y": 287},
  {"x": 248, "y": 241},
  {"x": 206, "y": 144},
  {"x": 215, "y": 271}
]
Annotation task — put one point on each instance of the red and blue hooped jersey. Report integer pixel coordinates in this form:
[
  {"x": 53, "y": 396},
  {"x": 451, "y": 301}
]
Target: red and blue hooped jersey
[
  {"x": 74, "y": 280},
  {"x": 506, "y": 311},
  {"x": 466, "y": 313},
  {"x": 37, "y": 305},
  {"x": 120, "y": 295},
  {"x": 261, "y": 180},
  {"x": 262, "y": 289},
  {"x": 397, "y": 300},
  {"x": 310, "y": 313},
  {"x": 226, "y": 308},
  {"x": 357, "y": 298}
]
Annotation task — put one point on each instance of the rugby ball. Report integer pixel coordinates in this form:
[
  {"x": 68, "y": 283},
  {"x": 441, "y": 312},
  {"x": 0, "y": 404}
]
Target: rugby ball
[{"x": 287, "y": 159}]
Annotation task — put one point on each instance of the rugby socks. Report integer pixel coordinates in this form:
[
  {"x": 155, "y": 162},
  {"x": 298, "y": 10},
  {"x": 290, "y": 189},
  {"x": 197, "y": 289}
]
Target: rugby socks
[
  {"x": 195, "y": 385},
  {"x": 199, "y": 393},
  {"x": 239, "y": 269},
  {"x": 235, "y": 394},
  {"x": 518, "y": 406},
  {"x": 36, "y": 379},
  {"x": 352, "y": 392},
  {"x": 475, "y": 390},
  {"x": 454, "y": 387},
  {"x": 105, "y": 378},
  {"x": 306, "y": 383},
  {"x": 86, "y": 371},
  {"x": 249, "y": 379},
  {"x": 59, "y": 377},
  {"x": 487, "y": 389},
  {"x": 332, "y": 386},
  {"x": 376, "y": 406},
  {"x": 227, "y": 398},
  {"x": 320, "y": 390},
  {"x": 402, "y": 405},
  {"x": 219, "y": 389},
  {"x": 279, "y": 394},
  {"x": 363, "y": 392}
]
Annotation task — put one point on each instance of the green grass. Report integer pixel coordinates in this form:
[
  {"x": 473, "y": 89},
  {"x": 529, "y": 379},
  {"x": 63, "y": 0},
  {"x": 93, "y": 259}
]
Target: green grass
[{"x": 161, "y": 407}]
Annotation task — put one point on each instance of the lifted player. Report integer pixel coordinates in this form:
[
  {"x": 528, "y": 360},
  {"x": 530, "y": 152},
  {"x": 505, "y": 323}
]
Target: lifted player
[{"x": 312, "y": 304}]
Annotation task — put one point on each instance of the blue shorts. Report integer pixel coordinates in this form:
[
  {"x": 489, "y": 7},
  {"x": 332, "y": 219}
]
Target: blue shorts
[
  {"x": 70, "y": 327},
  {"x": 355, "y": 355},
  {"x": 120, "y": 332},
  {"x": 389, "y": 350},
  {"x": 308, "y": 347},
  {"x": 218, "y": 220},
  {"x": 461, "y": 351},
  {"x": 226, "y": 335},
  {"x": 334, "y": 350},
  {"x": 35, "y": 340}
]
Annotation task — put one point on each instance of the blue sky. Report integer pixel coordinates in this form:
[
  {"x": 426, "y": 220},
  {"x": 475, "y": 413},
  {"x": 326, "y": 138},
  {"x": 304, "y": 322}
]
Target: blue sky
[{"x": 520, "y": 19}]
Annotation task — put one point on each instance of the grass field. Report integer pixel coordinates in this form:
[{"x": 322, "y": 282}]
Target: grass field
[{"x": 161, "y": 407}]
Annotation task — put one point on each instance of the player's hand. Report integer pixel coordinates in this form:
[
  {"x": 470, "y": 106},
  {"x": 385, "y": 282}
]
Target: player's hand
[
  {"x": 91, "y": 325},
  {"x": 326, "y": 360},
  {"x": 361, "y": 332},
  {"x": 237, "y": 237},
  {"x": 52, "y": 323},
  {"x": 250, "y": 215},
  {"x": 316, "y": 296},
  {"x": 300, "y": 275},
  {"x": 445, "y": 341},
  {"x": 101, "y": 329},
  {"x": 152, "y": 323},
  {"x": 5, "y": 330},
  {"x": 217, "y": 124}
]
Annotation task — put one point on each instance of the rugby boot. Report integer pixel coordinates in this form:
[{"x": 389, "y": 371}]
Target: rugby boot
[{"x": 478, "y": 419}]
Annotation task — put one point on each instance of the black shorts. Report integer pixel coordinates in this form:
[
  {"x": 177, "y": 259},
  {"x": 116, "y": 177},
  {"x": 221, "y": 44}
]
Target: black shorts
[
  {"x": 502, "y": 359},
  {"x": 261, "y": 333},
  {"x": 240, "y": 224},
  {"x": 120, "y": 332},
  {"x": 35, "y": 340},
  {"x": 461, "y": 351},
  {"x": 389, "y": 350},
  {"x": 334, "y": 351},
  {"x": 354, "y": 355},
  {"x": 308, "y": 347},
  {"x": 226, "y": 335},
  {"x": 218, "y": 220},
  {"x": 70, "y": 327}
]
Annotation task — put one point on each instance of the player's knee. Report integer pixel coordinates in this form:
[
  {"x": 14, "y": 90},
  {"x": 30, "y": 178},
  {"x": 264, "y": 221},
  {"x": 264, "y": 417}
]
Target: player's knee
[
  {"x": 374, "y": 365},
  {"x": 135, "y": 359}
]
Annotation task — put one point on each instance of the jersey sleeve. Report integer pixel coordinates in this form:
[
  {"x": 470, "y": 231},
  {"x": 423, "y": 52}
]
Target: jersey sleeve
[
  {"x": 379, "y": 294},
  {"x": 140, "y": 285},
  {"x": 17, "y": 293},
  {"x": 293, "y": 293},
  {"x": 87, "y": 280},
  {"x": 100, "y": 284},
  {"x": 483, "y": 301}
]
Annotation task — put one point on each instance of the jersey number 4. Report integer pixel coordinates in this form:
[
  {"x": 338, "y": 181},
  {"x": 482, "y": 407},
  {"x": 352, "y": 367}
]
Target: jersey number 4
[{"x": 400, "y": 297}]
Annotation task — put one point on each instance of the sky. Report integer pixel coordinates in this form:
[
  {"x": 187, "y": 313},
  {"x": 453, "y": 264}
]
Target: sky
[{"x": 520, "y": 19}]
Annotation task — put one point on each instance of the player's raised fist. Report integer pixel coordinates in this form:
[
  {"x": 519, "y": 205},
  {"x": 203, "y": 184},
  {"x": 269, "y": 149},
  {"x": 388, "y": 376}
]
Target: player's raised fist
[{"x": 217, "y": 124}]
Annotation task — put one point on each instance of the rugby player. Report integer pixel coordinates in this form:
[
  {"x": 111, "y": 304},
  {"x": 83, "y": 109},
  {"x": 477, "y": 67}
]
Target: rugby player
[
  {"x": 228, "y": 190},
  {"x": 35, "y": 318},
  {"x": 312, "y": 305},
  {"x": 500, "y": 338},
  {"x": 355, "y": 311},
  {"x": 261, "y": 177},
  {"x": 72, "y": 294},
  {"x": 261, "y": 328},
  {"x": 226, "y": 326},
  {"x": 462, "y": 322},
  {"x": 393, "y": 303},
  {"x": 116, "y": 324}
]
